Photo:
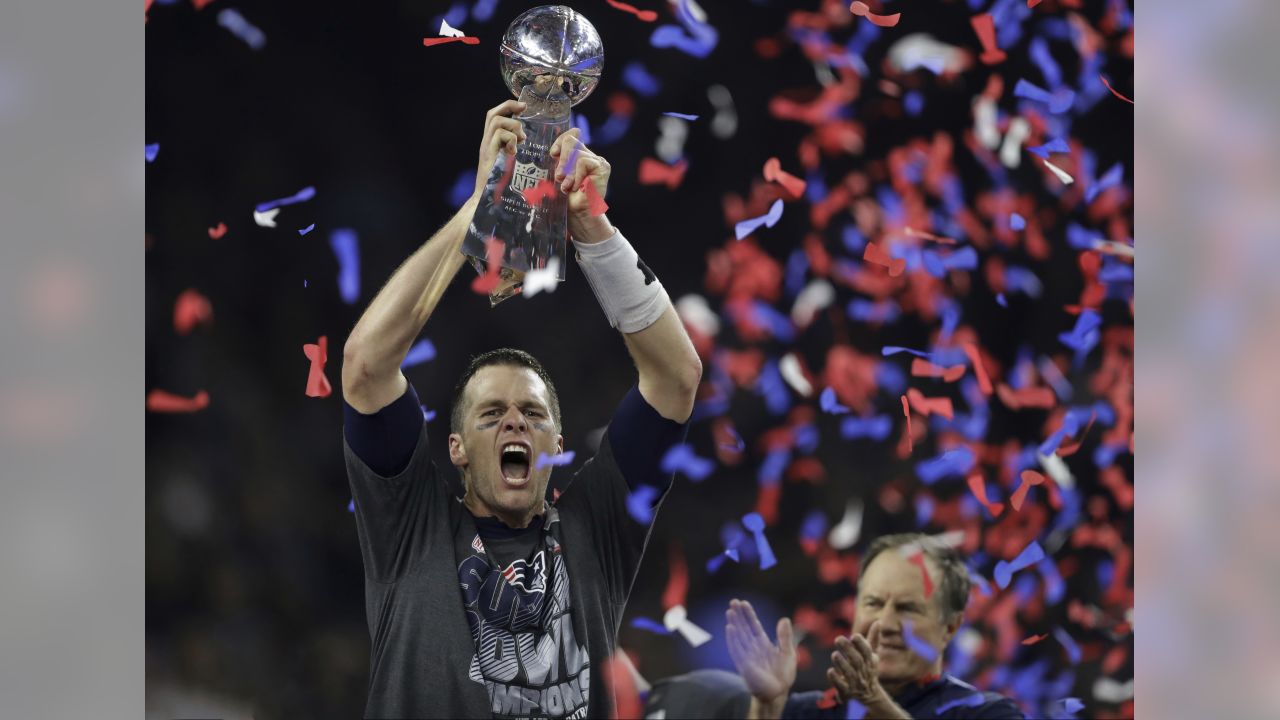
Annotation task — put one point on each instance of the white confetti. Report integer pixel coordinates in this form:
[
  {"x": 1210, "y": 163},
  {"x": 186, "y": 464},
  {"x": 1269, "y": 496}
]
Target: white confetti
[
  {"x": 1062, "y": 175},
  {"x": 677, "y": 619},
  {"x": 1011, "y": 150},
  {"x": 446, "y": 31},
  {"x": 984, "y": 123},
  {"x": 789, "y": 366},
  {"x": 266, "y": 219},
  {"x": 1057, "y": 469},
  {"x": 845, "y": 534},
  {"x": 817, "y": 295},
  {"x": 547, "y": 278},
  {"x": 693, "y": 310}
]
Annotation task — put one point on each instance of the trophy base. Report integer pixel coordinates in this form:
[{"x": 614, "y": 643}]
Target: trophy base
[{"x": 510, "y": 282}]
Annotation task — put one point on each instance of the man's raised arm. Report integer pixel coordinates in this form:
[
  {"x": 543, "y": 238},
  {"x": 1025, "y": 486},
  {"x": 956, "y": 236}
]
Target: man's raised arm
[
  {"x": 631, "y": 296},
  {"x": 371, "y": 358}
]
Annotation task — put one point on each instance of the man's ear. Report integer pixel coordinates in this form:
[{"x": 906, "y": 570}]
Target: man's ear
[
  {"x": 457, "y": 452},
  {"x": 559, "y": 444},
  {"x": 953, "y": 625}
]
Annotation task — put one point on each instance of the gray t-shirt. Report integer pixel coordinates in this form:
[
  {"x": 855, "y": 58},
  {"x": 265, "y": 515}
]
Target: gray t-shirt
[{"x": 424, "y": 660}]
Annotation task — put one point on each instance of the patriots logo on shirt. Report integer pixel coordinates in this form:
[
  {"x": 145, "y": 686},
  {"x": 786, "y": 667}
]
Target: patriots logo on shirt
[
  {"x": 476, "y": 544},
  {"x": 530, "y": 577}
]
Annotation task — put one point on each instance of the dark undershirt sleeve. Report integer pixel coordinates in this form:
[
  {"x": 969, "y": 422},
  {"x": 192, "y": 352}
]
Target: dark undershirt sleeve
[
  {"x": 386, "y": 439},
  {"x": 639, "y": 437}
]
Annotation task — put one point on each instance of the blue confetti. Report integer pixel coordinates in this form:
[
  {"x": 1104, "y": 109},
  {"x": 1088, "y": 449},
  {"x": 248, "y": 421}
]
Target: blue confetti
[
  {"x": 916, "y": 645},
  {"x": 748, "y": 226},
  {"x": 1030, "y": 555},
  {"x": 682, "y": 458},
  {"x": 1110, "y": 179},
  {"x": 1056, "y": 145},
  {"x": 427, "y": 415},
  {"x": 863, "y": 310},
  {"x": 774, "y": 389},
  {"x": 1068, "y": 644},
  {"x": 640, "y": 503},
  {"x": 1017, "y": 222},
  {"x": 876, "y": 427},
  {"x": 545, "y": 460},
  {"x": 956, "y": 461},
  {"x": 854, "y": 710},
  {"x": 755, "y": 523},
  {"x": 696, "y": 39},
  {"x": 913, "y": 102},
  {"x": 682, "y": 116},
  {"x": 455, "y": 16},
  {"x": 636, "y": 77},
  {"x": 302, "y": 195},
  {"x": 827, "y": 401},
  {"x": 346, "y": 247},
  {"x": 463, "y": 186},
  {"x": 771, "y": 469},
  {"x": 814, "y": 525},
  {"x": 1054, "y": 587},
  {"x": 1039, "y": 52},
  {"x": 241, "y": 28},
  {"x": 1001, "y": 301},
  {"x": 307, "y": 229},
  {"x": 853, "y": 239},
  {"x": 653, "y": 626},
  {"x": 483, "y": 10},
  {"x": 422, "y": 351},
  {"x": 779, "y": 325},
  {"x": 351, "y": 506},
  {"x": 152, "y": 151},
  {"x": 924, "y": 510},
  {"x": 1085, "y": 335}
]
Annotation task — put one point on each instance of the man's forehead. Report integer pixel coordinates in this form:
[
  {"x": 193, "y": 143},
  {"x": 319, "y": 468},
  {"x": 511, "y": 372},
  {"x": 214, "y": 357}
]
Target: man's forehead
[
  {"x": 506, "y": 382},
  {"x": 892, "y": 573}
]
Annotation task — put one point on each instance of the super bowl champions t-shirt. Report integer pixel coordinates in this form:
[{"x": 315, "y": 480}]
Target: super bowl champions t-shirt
[{"x": 470, "y": 618}]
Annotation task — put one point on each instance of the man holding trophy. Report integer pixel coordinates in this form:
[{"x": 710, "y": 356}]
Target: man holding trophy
[{"x": 500, "y": 604}]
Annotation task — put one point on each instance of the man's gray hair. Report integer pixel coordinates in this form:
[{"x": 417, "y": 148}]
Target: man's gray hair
[{"x": 953, "y": 593}]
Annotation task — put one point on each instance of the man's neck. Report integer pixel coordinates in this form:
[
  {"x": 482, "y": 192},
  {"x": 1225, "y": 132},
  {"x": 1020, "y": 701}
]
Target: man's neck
[
  {"x": 898, "y": 688},
  {"x": 515, "y": 522}
]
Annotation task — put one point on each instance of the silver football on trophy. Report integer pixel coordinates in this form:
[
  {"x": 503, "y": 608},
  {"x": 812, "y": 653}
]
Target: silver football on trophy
[{"x": 552, "y": 46}]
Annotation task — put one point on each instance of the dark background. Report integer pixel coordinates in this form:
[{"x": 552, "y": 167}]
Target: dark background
[{"x": 254, "y": 582}]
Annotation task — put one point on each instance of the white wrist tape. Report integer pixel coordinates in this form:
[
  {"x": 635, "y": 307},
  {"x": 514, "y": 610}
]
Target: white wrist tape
[{"x": 630, "y": 294}]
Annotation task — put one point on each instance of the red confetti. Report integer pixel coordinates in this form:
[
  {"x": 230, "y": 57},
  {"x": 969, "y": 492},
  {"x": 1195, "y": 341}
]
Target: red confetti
[
  {"x": 876, "y": 254},
  {"x": 979, "y": 490},
  {"x": 1034, "y": 639},
  {"x": 429, "y": 42},
  {"x": 829, "y": 699},
  {"x": 620, "y": 683},
  {"x": 917, "y": 559},
  {"x": 943, "y": 239},
  {"x": 984, "y": 382},
  {"x": 1030, "y": 478},
  {"x": 923, "y": 368},
  {"x": 1113, "y": 90},
  {"x": 484, "y": 284},
  {"x": 925, "y": 406},
  {"x": 217, "y": 232},
  {"x": 1041, "y": 398},
  {"x": 677, "y": 590},
  {"x": 1033, "y": 3},
  {"x": 861, "y": 9},
  {"x": 773, "y": 172},
  {"x": 536, "y": 194},
  {"x": 653, "y": 172},
  {"x": 643, "y": 15},
  {"x": 191, "y": 309},
  {"x": 904, "y": 445},
  {"x": 318, "y": 354},
  {"x": 595, "y": 203},
  {"x": 166, "y": 402},
  {"x": 199, "y": 4},
  {"x": 985, "y": 26}
]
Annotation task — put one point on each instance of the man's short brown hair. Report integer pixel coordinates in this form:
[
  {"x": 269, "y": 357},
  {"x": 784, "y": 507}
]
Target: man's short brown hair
[{"x": 953, "y": 593}]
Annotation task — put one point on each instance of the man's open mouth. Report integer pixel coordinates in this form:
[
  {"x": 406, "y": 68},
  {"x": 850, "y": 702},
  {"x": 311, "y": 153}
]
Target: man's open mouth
[{"x": 514, "y": 460}]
